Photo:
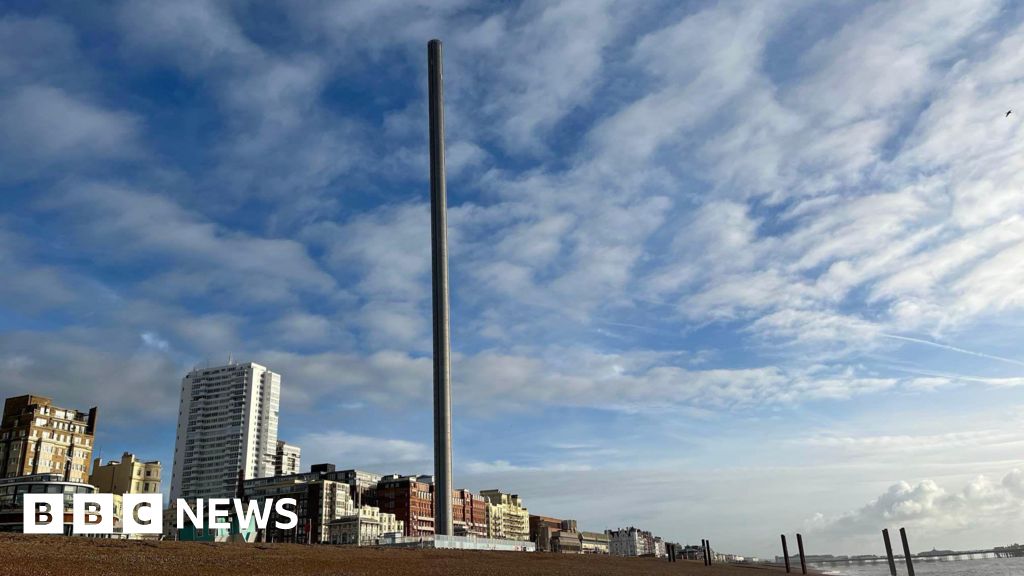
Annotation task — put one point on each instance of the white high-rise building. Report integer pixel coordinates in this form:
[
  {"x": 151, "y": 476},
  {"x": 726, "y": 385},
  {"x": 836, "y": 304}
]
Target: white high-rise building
[{"x": 227, "y": 421}]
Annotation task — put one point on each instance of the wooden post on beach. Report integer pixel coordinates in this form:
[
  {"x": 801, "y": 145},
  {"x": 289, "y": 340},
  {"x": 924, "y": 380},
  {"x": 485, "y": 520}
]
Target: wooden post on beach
[
  {"x": 785, "y": 552},
  {"x": 906, "y": 551},
  {"x": 703, "y": 552},
  {"x": 888, "y": 552},
  {"x": 710, "y": 556},
  {"x": 803, "y": 560}
]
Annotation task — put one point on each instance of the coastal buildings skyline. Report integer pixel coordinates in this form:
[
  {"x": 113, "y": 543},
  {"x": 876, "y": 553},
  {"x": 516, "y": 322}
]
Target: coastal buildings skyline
[
  {"x": 350, "y": 507},
  {"x": 229, "y": 407}
]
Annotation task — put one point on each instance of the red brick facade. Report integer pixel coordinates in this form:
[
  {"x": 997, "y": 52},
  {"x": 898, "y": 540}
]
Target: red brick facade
[
  {"x": 469, "y": 514},
  {"x": 410, "y": 501}
]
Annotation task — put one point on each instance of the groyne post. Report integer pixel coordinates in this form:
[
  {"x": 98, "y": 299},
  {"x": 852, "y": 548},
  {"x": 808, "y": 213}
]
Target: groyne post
[
  {"x": 803, "y": 560},
  {"x": 906, "y": 552},
  {"x": 785, "y": 552},
  {"x": 888, "y": 552}
]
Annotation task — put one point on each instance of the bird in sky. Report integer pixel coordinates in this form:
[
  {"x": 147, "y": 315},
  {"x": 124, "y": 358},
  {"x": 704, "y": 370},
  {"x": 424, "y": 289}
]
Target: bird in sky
[{"x": 1007, "y": 113}]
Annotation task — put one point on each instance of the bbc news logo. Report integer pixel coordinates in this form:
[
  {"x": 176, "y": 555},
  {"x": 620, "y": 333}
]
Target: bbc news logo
[{"x": 141, "y": 513}]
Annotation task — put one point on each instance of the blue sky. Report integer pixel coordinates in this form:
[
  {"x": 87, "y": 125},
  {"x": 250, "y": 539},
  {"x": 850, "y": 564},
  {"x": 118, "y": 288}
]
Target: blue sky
[{"x": 718, "y": 270}]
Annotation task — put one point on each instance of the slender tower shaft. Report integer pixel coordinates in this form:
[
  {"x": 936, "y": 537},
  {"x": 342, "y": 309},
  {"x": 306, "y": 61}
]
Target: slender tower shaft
[{"x": 442, "y": 341}]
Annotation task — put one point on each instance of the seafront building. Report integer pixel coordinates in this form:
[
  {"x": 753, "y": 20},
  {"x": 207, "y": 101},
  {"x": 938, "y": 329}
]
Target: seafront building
[
  {"x": 507, "y": 518},
  {"x": 37, "y": 437},
  {"x": 543, "y": 530},
  {"x": 632, "y": 542},
  {"x": 469, "y": 514},
  {"x": 367, "y": 526},
  {"x": 319, "y": 501},
  {"x": 13, "y": 489},
  {"x": 227, "y": 427},
  {"x": 129, "y": 475},
  {"x": 566, "y": 542},
  {"x": 362, "y": 484},
  {"x": 410, "y": 499},
  {"x": 564, "y": 537},
  {"x": 593, "y": 542},
  {"x": 287, "y": 459},
  {"x": 659, "y": 547}
]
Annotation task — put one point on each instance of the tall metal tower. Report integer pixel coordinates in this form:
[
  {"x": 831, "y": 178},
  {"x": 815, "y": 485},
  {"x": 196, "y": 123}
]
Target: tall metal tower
[{"x": 442, "y": 338}]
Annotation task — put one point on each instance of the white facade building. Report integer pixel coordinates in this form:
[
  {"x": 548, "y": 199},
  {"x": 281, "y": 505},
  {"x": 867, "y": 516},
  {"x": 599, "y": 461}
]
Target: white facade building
[
  {"x": 287, "y": 459},
  {"x": 659, "y": 547},
  {"x": 624, "y": 542},
  {"x": 227, "y": 422},
  {"x": 631, "y": 542},
  {"x": 365, "y": 526}
]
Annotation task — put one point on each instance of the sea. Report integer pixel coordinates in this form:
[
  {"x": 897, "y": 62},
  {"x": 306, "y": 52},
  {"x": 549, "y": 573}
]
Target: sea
[{"x": 980, "y": 567}]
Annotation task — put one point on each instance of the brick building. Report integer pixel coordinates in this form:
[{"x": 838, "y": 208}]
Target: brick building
[
  {"x": 410, "y": 499},
  {"x": 543, "y": 530},
  {"x": 469, "y": 514},
  {"x": 37, "y": 437}
]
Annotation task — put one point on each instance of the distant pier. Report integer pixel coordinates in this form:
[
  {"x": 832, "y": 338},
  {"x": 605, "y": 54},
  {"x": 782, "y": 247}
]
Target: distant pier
[{"x": 936, "y": 555}]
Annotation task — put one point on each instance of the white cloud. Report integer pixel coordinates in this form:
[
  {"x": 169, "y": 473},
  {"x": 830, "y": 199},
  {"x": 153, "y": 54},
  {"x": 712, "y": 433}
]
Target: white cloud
[
  {"x": 44, "y": 124},
  {"x": 154, "y": 340},
  {"x": 358, "y": 451},
  {"x": 209, "y": 259},
  {"x": 501, "y": 467},
  {"x": 301, "y": 327},
  {"x": 131, "y": 384},
  {"x": 926, "y": 508}
]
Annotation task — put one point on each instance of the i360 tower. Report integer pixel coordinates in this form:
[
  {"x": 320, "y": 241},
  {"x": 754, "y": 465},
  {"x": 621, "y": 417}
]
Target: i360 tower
[{"x": 442, "y": 342}]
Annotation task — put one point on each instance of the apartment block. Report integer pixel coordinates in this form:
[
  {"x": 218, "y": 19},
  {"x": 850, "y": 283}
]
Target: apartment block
[
  {"x": 362, "y": 484},
  {"x": 659, "y": 547},
  {"x": 593, "y": 542},
  {"x": 366, "y": 527},
  {"x": 287, "y": 459},
  {"x": 37, "y": 437},
  {"x": 318, "y": 502},
  {"x": 469, "y": 514},
  {"x": 631, "y": 542},
  {"x": 129, "y": 475},
  {"x": 507, "y": 518},
  {"x": 227, "y": 427},
  {"x": 410, "y": 499}
]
